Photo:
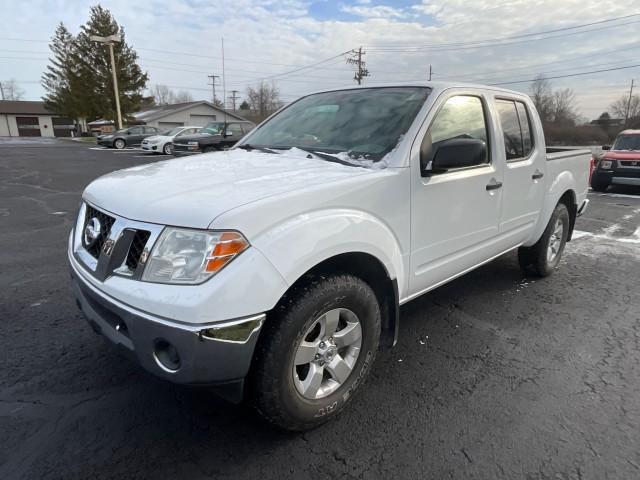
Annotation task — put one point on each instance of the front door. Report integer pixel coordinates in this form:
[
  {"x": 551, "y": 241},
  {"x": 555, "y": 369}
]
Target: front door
[{"x": 454, "y": 214}]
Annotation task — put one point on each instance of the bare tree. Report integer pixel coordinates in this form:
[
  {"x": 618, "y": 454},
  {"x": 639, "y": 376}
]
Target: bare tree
[
  {"x": 183, "y": 96},
  {"x": 564, "y": 109},
  {"x": 619, "y": 107},
  {"x": 264, "y": 99},
  {"x": 543, "y": 98},
  {"x": 11, "y": 90},
  {"x": 162, "y": 94}
]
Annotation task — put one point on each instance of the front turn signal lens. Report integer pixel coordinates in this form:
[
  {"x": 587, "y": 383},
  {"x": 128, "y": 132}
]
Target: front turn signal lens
[{"x": 228, "y": 246}]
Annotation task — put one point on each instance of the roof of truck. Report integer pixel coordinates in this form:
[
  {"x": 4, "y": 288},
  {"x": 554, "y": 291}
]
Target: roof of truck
[{"x": 440, "y": 86}]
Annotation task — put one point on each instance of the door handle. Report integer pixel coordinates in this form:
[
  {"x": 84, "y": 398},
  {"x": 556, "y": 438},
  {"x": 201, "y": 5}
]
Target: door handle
[
  {"x": 537, "y": 175},
  {"x": 493, "y": 185}
]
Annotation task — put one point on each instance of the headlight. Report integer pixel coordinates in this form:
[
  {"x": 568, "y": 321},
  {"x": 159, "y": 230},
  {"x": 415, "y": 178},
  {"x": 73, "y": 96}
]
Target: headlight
[
  {"x": 605, "y": 164},
  {"x": 191, "y": 256}
]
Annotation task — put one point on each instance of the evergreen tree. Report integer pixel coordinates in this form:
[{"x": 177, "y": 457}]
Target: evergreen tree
[
  {"x": 58, "y": 77},
  {"x": 79, "y": 81}
]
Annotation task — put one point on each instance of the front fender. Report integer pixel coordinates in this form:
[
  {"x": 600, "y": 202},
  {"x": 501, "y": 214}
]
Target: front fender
[{"x": 300, "y": 243}]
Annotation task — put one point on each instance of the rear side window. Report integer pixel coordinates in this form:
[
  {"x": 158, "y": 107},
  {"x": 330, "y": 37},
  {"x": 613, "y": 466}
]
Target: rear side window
[
  {"x": 525, "y": 126},
  {"x": 516, "y": 129}
]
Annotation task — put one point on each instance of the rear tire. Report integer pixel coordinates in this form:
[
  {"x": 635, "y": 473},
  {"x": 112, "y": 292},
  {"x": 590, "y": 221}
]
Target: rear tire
[
  {"x": 119, "y": 144},
  {"x": 542, "y": 258},
  {"x": 315, "y": 352},
  {"x": 209, "y": 149}
]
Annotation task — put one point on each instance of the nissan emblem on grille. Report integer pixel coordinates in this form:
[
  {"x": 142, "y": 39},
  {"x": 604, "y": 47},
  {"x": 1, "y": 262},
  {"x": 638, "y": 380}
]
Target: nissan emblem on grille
[{"x": 92, "y": 231}]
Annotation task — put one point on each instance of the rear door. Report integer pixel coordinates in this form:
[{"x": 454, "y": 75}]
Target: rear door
[
  {"x": 455, "y": 214},
  {"x": 524, "y": 185}
]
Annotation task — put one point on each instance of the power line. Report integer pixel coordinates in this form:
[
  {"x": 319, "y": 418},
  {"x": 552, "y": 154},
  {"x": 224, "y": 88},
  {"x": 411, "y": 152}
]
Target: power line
[
  {"x": 568, "y": 75},
  {"x": 523, "y": 35},
  {"x": 486, "y": 44}
]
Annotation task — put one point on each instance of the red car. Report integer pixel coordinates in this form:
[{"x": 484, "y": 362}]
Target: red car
[{"x": 620, "y": 164}]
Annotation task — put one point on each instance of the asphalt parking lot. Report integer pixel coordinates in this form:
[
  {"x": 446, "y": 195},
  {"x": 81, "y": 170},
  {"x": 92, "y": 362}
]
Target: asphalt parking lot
[{"x": 495, "y": 376}]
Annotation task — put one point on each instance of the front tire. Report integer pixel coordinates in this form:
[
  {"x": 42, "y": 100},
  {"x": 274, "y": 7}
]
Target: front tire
[
  {"x": 315, "y": 352},
  {"x": 119, "y": 144},
  {"x": 542, "y": 258},
  {"x": 167, "y": 149}
]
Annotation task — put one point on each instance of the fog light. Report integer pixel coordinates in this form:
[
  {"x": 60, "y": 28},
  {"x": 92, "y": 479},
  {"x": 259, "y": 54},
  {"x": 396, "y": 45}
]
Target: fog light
[{"x": 166, "y": 356}]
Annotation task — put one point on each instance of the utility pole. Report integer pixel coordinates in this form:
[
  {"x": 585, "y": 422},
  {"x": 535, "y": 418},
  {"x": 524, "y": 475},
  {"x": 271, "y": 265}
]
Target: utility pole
[
  {"x": 626, "y": 117},
  {"x": 110, "y": 40},
  {"x": 430, "y": 72},
  {"x": 213, "y": 86},
  {"x": 356, "y": 59},
  {"x": 234, "y": 97},
  {"x": 6, "y": 115}
]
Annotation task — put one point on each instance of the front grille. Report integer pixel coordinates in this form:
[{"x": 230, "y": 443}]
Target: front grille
[
  {"x": 137, "y": 246},
  {"x": 106, "y": 222}
]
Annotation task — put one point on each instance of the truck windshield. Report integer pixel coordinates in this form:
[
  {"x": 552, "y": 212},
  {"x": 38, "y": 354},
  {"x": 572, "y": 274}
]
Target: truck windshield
[
  {"x": 627, "y": 142},
  {"x": 361, "y": 123}
]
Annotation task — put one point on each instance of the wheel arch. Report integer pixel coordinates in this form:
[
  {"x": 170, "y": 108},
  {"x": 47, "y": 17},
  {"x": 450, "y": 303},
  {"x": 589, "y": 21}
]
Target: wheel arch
[
  {"x": 373, "y": 272},
  {"x": 569, "y": 199}
]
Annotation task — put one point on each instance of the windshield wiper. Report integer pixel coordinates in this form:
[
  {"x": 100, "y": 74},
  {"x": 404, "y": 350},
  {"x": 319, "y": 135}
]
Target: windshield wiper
[
  {"x": 248, "y": 147},
  {"x": 328, "y": 157}
]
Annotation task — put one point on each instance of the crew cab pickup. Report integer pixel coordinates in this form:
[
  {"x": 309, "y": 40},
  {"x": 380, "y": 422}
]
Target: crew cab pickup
[
  {"x": 213, "y": 136},
  {"x": 275, "y": 271},
  {"x": 620, "y": 164}
]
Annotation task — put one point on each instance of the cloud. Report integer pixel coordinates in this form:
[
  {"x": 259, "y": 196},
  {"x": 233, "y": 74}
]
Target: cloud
[{"x": 267, "y": 37}]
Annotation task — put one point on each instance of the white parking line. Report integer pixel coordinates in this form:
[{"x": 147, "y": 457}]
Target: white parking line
[
  {"x": 634, "y": 238},
  {"x": 151, "y": 155},
  {"x": 616, "y": 195}
]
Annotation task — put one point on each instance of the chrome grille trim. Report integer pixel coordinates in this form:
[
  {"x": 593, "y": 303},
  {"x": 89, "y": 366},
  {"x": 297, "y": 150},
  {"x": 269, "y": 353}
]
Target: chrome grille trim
[{"x": 116, "y": 256}]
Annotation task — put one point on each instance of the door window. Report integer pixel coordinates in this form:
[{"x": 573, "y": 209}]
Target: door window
[
  {"x": 135, "y": 130},
  {"x": 461, "y": 116},
  {"x": 234, "y": 129},
  {"x": 516, "y": 129}
]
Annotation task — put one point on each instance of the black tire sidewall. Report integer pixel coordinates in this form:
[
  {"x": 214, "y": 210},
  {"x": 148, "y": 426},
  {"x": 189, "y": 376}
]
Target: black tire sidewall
[
  {"x": 294, "y": 411},
  {"x": 543, "y": 266},
  {"x": 117, "y": 142}
]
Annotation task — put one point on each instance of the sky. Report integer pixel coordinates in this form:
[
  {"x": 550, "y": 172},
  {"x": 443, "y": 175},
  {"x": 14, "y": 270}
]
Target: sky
[{"x": 298, "y": 44}]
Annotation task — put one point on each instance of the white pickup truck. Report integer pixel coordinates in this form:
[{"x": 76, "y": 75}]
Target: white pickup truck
[{"x": 275, "y": 271}]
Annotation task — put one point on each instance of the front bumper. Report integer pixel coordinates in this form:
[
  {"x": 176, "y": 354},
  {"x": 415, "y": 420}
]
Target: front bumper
[
  {"x": 618, "y": 176},
  {"x": 149, "y": 147},
  {"x": 105, "y": 143},
  {"x": 208, "y": 354}
]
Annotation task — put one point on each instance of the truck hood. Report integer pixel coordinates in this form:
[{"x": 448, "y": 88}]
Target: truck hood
[
  {"x": 191, "y": 192},
  {"x": 622, "y": 155}
]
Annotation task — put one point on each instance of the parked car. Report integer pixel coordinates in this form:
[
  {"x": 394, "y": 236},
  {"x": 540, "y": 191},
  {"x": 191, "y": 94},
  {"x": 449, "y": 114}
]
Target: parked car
[
  {"x": 214, "y": 136},
  {"x": 275, "y": 271},
  {"x": 620, "y": 163},
  {"x": 127, "y": 137},
  {"x": 163, "y": 142}
]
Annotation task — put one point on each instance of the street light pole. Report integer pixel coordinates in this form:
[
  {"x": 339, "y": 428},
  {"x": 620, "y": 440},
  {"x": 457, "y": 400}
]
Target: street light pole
[{"x": 110, "y": 40}]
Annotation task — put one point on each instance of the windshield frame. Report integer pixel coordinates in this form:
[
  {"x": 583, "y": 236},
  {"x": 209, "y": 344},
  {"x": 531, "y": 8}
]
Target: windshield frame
[{"x": 415, "y": 122}]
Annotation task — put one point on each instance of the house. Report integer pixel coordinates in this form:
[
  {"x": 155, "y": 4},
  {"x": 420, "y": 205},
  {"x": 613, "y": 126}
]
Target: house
[
  {"x": 31, "y": 119},
  {"x": 182, "y": 114}
]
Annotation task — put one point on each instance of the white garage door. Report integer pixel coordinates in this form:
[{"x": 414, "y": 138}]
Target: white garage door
[{"x": 201, "y": 120}]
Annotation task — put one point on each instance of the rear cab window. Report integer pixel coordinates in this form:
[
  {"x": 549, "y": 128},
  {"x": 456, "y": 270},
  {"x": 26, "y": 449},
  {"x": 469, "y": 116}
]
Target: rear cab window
[{"x": 516, "y": 128}]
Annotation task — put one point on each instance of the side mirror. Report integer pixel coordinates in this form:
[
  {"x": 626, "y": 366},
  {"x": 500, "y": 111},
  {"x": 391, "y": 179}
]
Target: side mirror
[
  {"x": 128, "y": 132},
  {"x": 606, "y": 147},
  {"x": 227, "y": 134},
  {"x": 458, "y": 153}
]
